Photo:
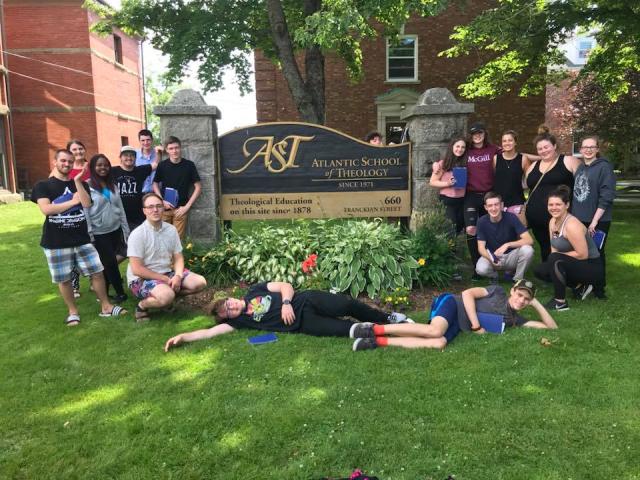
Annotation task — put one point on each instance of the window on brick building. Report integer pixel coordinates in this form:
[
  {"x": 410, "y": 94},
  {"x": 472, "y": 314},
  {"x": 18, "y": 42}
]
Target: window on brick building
[
  {"x": 402, "y": 59},
  {"x": 117, "y": 48},
  {"x": 124, "y": 141},
  {"x": 584, "y": 48}
]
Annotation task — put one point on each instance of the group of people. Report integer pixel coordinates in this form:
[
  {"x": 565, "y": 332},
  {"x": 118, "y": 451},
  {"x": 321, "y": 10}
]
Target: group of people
[
  {"x": 97, "y": 215},
  {"x": 568, "y": 209}
]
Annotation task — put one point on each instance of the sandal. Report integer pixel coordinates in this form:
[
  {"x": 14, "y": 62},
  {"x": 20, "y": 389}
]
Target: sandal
[
  {"x": 72, "y": 320},
  {"x": 116, "y": 311},
  {"x": 141, "y": 313}
]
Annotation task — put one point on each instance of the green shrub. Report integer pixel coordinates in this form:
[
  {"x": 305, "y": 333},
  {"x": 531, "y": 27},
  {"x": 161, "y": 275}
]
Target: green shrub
[
  {"x": 213, "y": 264},
  {"x": 366, "y": 256},
  {"x": 433, "y": 248}
]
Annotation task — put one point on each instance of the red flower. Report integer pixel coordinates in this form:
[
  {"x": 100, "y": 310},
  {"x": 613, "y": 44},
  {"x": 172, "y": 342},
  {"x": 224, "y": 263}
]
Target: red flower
[{"x": 310, "y": 263}]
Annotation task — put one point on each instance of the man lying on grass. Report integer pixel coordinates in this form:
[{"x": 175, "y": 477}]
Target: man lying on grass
[
  {"x": 452, "y": 313},
  {"x": 275, "y": 307}
]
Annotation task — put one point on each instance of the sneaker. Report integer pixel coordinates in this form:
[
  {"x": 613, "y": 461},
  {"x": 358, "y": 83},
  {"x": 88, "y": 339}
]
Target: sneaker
[
  {"x": 553, "y": 304},
  {"x": 476, "y": 278},
  {"x": 118, "y": 298},
  {"x": 599, "y": 294},
  {"x": 364, "y": 344},
  {"x": 584, "y": 291},
  {"x": 361, "y": 330},
  {"x": 397, "y": 317}
]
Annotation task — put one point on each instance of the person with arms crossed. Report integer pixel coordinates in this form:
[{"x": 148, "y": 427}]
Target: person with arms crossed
[
  {"x": 181, "y": 175},
  {"x": 65, "y": 237},
  {"x": 156, "y": 272},
  {"x": 503, "y": 242}
]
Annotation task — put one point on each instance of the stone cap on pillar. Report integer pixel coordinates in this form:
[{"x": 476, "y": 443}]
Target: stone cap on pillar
[
  {"x": 187, "y": 102},
  {"x": 437, "y": 101}
]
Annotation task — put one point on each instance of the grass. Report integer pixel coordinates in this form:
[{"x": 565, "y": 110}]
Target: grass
[{"x": 103, "y": 401}]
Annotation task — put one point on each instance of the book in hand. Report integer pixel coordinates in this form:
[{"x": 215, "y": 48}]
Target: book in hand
[
  {"x": 598, "y": 238},
  {"x": 491, "y": 322},
  {"x": 460, "y": 175},
  {"x": 260, "y": 339},
  {"x": 171, "y": 196},
  {"x": 65, "y": 197},
  {"x": 494, "y": 258}
]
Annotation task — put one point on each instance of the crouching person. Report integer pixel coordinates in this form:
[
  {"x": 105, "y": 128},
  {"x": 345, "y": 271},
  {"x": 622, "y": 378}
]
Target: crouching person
[
  {"x": 276, "y": 307},
  {"x": 452, "y": 313},
  {"x": 156, "y": 272}
]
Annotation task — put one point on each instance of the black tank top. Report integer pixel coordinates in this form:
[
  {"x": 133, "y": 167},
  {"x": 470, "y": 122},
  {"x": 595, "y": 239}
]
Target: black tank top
[
  {"x": 537, "y": 212},
  {"x": 508, "y": 181}
]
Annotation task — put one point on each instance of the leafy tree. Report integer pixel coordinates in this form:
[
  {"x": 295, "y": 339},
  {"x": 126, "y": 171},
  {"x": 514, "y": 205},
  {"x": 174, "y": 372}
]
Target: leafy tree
[
  {"x": 520, "y": 39},
  {"x": 617, "y": 123},
  {"x": 158, "y": 91},
  {"x": 223, "y": 33}
]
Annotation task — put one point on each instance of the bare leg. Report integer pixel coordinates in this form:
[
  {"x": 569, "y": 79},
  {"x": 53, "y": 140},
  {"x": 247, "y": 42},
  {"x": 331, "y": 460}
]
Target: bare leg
[
  {"x": 194, "y": 283},
  {"x": 435, "y": 329},
  {"x": 99, "y": 287},
  {"x": 412, "y": 342},
  {"x": 66, "y": 290},
  {"x": 161, "y": 296}
]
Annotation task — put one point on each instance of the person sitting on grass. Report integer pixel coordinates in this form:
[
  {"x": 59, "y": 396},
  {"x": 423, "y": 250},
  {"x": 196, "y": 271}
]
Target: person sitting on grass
[
  {"x": 276, "y": 307},
  {"x": 156, "y": 272},
  {"x": 452, "y": 313}
]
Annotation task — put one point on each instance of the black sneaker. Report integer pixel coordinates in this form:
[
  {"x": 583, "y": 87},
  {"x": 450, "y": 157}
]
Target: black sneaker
[
  {"x": 584, "y": 291},
  {"x": 118, "y": 298},
  {"x": 553, "y": 304},
  {"x": 361, "y": 330},
  {"x": 364, "y": 344}
]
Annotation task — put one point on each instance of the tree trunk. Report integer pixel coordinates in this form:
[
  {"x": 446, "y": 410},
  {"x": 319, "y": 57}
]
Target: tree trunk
[{"x": 308, "y": 96}]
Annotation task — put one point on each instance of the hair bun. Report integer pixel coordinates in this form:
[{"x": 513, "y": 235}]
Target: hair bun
[{"x": 542, "y": 129}]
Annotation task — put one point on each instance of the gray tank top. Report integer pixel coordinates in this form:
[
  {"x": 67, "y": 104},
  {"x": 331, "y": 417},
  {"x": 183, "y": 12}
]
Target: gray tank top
[{"x": 563, "y": 245}]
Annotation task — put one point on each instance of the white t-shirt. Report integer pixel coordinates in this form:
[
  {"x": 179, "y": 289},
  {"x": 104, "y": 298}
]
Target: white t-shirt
[{"x": 155, "y": 247}]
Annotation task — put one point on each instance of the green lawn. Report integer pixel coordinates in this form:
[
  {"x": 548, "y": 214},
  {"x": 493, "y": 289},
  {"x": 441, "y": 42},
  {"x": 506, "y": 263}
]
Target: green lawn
[{"x": 103, "y": 401}]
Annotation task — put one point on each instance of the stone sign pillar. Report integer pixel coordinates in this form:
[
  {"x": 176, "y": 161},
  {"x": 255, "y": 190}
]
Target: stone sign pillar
[
  {"x": 432, "y": 121},
  {"x": 188, "y": 117}
]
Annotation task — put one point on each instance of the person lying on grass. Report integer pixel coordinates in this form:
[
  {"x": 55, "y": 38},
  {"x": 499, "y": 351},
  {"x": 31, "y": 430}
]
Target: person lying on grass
[
  {"x": 276, "y": 307},
  {"x": 452, "y": 313}
]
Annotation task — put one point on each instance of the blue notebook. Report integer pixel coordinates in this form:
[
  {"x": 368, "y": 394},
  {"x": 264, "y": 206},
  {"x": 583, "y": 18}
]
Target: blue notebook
[
  {"x": 491, "y": 322},
  {"x": 65, "y": 198},
  {"x": 260, "y": 339},
  {"x": 598, "y": 238},
  {"x": 460, "y": 174},
  {"x": 493, "y": 256},
  {"x": 171, "y": 196}
]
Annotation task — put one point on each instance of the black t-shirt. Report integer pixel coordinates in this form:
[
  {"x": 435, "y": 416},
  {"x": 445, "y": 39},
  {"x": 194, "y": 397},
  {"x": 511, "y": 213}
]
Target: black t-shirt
[
  {"x": 264, "y": 310},
  {"x": 66, "y": 229},
  {"x": 180, "y": 176},
  {"x": 508, "y": 229},
  {"x": 130, "y": 185}
]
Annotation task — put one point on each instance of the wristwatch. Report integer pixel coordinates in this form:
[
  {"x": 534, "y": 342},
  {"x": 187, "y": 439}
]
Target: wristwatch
[
  {"x": 475, "y": 329},
  {"x": 286, "y": 302}
]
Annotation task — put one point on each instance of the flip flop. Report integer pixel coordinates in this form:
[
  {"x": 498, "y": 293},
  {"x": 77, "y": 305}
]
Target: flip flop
[
  {"x": 72, "y": 320},
  {"x": 116, "y": 311}
]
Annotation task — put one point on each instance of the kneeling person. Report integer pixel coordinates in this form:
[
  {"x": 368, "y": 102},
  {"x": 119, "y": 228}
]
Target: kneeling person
[
  {"x": 452, "y": 313},
  {"x": 503, "y": 241},
  {"x": 156, "y": 272},
  {"x": 276, "y": 307}
]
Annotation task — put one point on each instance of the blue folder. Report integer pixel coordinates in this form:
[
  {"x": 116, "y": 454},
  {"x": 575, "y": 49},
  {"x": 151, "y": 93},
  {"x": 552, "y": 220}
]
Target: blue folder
[
  {"x": 171, "y": 196},
  {"x": 491, "y": 322},
  {"x": 460, "y": 174}
]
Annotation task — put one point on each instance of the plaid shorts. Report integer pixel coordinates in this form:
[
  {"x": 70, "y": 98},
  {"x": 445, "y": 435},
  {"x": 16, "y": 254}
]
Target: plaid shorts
[
  {"x": 141, "y": 287},
  {"x": 62, "y": 260}
]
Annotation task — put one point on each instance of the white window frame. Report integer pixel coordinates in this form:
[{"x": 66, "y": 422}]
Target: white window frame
[{"x": 415, "y": 62}]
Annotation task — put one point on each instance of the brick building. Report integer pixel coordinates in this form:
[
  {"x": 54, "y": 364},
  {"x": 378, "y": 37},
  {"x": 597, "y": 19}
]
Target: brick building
[
  {"x": 97, "y": 98},
  {"x": 394, "y": 77},
  {"x": 7, "y": 160}
]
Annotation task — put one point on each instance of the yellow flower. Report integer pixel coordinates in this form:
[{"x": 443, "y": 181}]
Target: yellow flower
[
  {"x": 421, "y": 261},
  {"x": 189, "y": 246},
  {"x": 388, "y": 299}
]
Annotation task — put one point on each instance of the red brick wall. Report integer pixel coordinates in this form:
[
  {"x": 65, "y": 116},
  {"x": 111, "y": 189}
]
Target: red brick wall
[
  {"x": 559, "y": 98},
  {"x": 351, "y": 108},
  {"x": 41, "y": 123}
]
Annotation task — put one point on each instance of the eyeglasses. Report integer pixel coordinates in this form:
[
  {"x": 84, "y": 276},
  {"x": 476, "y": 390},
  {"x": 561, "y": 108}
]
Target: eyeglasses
[
  {"x": 154, "y": 207},
  {"x": 589, "y": 147}
]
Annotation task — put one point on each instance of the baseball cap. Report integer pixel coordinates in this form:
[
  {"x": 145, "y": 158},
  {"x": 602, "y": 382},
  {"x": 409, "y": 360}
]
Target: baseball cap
[
  {"x": 477, "y": 127},
  {"x": 527, "y": 285},
  {"x": 128, "y": 148}
]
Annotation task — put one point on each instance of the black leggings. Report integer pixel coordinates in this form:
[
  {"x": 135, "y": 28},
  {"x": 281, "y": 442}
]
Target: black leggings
[
  {"x": 473, "y": 210},
  {"x": 565, "y": 271},
  {"x": 454, "y": 211},
  {"x": 321, "y": 309},
  {"x": 541, "y": 233},
  {"x": 107, "y": 246},
  {"x": 604, "y": 227}
]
